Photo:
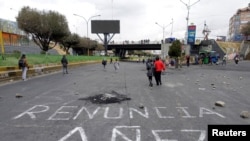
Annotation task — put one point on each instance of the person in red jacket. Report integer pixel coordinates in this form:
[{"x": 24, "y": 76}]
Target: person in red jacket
[{"x": 159, "y": 67}]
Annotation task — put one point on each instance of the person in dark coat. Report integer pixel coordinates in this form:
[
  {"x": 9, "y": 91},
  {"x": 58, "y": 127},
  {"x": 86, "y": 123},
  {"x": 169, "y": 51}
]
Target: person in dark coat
[
  {"x": 150, "y": 72},
  {"x": 104, "y": 63},
  {"x": 236, "y": 59},
  {"x": 111, "y": 60},
  {"x": 64, "y": 62},
  {"x": 188, "y": 60}
]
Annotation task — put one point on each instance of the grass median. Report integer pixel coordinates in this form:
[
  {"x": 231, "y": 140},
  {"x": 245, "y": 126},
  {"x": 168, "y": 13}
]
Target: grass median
[{"x": 11, "y": 60}]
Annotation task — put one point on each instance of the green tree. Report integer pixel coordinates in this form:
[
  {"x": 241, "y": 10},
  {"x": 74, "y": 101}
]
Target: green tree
[
  {"x": 43, "y": 26},
  {"x": 99, "y": 47},
  {"x": 175, "y": 51},
  {"x": 85, "y": 44},
  {"x": 70, "y": 41},
  {"x": 246, "y": 30}
]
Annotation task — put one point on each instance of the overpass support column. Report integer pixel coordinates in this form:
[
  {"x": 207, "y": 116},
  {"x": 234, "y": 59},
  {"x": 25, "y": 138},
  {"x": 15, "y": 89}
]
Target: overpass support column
[
  {"x": 106, "y": 41},
  {"x": 123, "y": 53}
]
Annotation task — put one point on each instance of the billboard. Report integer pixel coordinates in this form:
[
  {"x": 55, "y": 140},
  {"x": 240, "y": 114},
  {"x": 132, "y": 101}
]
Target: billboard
[
  {"x": 191, "y": 34},
  {"x": 105, "y": 26}
]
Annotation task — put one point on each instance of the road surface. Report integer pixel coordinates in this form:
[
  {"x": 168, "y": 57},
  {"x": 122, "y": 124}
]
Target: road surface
[{"x": 54, "y": 107}]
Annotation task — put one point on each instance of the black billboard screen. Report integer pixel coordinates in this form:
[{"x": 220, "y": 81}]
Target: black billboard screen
[{"x": 105, "y": 26}]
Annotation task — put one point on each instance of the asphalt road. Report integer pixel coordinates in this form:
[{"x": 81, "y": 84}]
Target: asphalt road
[{"x": 54, "y": 107}]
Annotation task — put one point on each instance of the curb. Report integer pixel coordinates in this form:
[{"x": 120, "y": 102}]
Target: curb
[{"x": 9, "y": 74}]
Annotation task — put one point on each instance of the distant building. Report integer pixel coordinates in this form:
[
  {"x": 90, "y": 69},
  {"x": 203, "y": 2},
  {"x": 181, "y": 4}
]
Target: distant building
[
  {"x": 11, "y": 34},
  {"x": 237, "y": 21},
  {"x": 221, "y": 38}
]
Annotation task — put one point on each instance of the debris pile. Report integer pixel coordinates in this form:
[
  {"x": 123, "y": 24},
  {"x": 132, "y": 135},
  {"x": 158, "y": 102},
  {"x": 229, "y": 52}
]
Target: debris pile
[
  {"x": 106, "y": 98},
  {"x": 18, "y": 95}
]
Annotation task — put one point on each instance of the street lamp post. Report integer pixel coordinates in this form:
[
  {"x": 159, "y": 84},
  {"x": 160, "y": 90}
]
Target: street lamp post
[
  {"x": 172, "y": 28},
  {"x": 188, "y": 5},
  {"x": 163, "y": 37},
  {"x": 87, "y": 22}
]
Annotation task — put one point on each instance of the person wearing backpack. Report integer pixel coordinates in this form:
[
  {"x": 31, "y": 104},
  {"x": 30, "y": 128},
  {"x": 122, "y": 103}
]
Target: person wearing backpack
[
  {"x": 64, "y": 62},
  {"x": 104, "y": 63},
  {"x": 150, "y": 72},
  {"x": 23, "y": 64}
]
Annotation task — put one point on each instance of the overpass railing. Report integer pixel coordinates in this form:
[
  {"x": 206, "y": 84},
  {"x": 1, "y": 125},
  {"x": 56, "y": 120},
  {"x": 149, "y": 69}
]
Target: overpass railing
[{"x": 134, "y": 42}]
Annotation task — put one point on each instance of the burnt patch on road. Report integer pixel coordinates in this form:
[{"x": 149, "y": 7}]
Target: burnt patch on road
[{"x": 106, "y": 98}]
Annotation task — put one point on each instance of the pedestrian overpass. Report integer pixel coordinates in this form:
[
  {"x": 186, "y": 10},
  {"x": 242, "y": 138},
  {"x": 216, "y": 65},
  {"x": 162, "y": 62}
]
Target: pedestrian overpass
[{"x": 121, "y": 48}]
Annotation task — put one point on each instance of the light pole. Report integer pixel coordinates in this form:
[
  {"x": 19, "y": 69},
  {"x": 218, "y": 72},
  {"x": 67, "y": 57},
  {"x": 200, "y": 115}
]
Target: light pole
[
  {"x": 188, "y": 5},
  {"x": 172, "y": 27},
  {"x": 163, "y": 37},
  {"x": 87, "y": 22},
  {"x": 75, "y": 28}
]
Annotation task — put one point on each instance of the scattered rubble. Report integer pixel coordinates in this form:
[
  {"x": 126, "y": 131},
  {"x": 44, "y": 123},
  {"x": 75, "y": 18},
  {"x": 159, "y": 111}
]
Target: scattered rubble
[
  {"x": 220, "y": 103},
  {"x": 18, "y": 95},
  {"x": 106, "y": 98},
  {"x": 245, "y": 114},
  {"x": 141, "y": 106},
  {"x": 202, "y": 89}
]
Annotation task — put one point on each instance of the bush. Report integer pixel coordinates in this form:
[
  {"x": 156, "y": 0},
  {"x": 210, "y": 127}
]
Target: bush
[{"x": 16, "y": 53}]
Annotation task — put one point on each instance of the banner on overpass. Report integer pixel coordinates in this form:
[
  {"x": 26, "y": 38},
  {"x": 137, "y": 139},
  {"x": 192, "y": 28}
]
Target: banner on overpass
[{"x": 191, "y": 34}]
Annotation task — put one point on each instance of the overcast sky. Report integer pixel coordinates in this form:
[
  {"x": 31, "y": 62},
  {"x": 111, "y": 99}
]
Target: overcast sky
[{"x": 137, "y": 17}]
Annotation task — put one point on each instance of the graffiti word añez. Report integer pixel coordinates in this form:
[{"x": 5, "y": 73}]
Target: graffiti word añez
[{"x": 118, "y": 134}]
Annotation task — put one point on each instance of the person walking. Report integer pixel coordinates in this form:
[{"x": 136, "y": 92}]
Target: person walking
[
  {"x": 159, "y": 67},
  {"x": 104, "y": 63},
  {"x": 201, "y": 59},
  {"x": 150, "y": 72},
  {"x": 224, "y": 60},
  {"x": 23, "y": 64},
  {"x": 64, "y": 62},
  {"x": 116, "y": 65},
  {"x": 111, "y": 60},
  {"x": 188, "y": 60},
  {"x": 236, "y": 59}
]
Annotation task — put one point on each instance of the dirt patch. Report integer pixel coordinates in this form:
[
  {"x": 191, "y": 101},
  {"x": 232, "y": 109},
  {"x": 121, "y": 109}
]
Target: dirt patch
[{"x": 106, "y": 98}]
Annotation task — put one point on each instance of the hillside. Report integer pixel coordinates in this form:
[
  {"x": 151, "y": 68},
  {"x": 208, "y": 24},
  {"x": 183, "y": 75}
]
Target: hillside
[
  {"x": 229, "y": 47},
  {"x": 59, "y": 50}
]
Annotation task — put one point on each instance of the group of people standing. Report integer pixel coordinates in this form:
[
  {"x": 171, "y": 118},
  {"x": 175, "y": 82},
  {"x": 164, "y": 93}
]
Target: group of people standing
[
  {"x": 23, "y": 65},
  {"x": 116, "y": 63},
  {"x": 155, "y": 68}
]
